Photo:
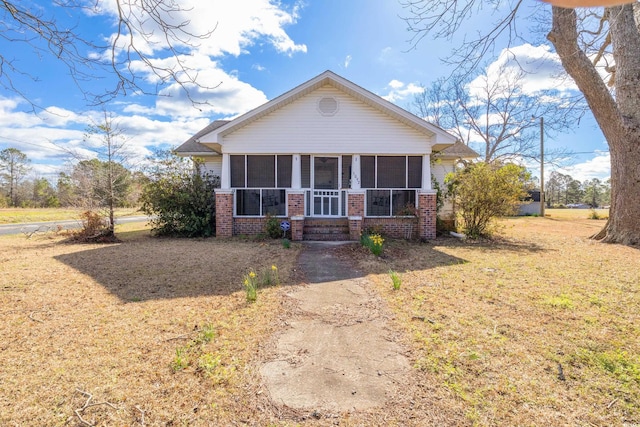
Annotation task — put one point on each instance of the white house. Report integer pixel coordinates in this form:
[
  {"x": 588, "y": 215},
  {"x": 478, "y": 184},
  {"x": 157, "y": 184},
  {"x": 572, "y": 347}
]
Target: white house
[{"x": 328, "y": 153}]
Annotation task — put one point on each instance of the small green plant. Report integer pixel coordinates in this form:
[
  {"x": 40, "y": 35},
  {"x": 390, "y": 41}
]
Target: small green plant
[
  {"x": 395, "y": 279},
  {"x": 593, "y": 214},
  {"x": 251, "y": 286},
  {"x": 561, "y": 301},
  {"x": 374, "y": 242},
  {"x": 208, "y": 362},
  {"x": 205, "y": 335},
  {"x": 275, "y": 275},
  {"x": 286, "y": 243},
  {"x": 272, "y": 227},
  {"x": 180, "y": 360}
]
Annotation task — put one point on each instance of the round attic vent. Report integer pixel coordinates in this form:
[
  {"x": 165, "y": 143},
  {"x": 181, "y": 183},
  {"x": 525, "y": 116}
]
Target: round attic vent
[{"x": 328, "y": 106}]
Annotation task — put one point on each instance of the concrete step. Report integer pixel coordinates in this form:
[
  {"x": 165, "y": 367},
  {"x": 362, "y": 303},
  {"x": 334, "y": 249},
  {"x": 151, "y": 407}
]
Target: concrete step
[
  {"x": 326, "y": 230},
  {"x": 327, "y": 237}
]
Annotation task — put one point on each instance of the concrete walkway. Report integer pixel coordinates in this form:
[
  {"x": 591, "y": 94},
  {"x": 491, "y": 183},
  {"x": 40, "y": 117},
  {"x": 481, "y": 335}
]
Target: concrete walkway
[{"x": 338, "y": 353}]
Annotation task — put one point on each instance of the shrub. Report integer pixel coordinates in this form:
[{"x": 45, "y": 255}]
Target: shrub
[
  {"x": 484, "y": 191},
  {"x": 272, "y": 227},
  {"x": 182, "y": 203},
  {"x": 95, "y": 229}
]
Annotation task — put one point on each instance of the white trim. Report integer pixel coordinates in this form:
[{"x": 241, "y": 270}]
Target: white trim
[
  {"x": 423, "y": 191},
  {"x": 426, "y": 172},
  {"x": 355, "y": 218},
  {"x": 296, "y": 172},
  {"x": 225, "y": 178},
  {"x": 223, "y": 191},
  {"x": 356, "y": 173}
]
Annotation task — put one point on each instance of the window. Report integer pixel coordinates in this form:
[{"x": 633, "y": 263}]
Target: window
[
  {"x": 260, "y": 202},
  {"x": 390, "y": 182},
  {"x": 389, "y": 202},
  {"x": 259, "y": 181}
]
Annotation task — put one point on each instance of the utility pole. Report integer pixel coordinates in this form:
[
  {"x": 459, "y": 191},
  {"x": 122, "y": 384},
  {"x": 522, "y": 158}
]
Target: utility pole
[{"x": 542, "y": 167}]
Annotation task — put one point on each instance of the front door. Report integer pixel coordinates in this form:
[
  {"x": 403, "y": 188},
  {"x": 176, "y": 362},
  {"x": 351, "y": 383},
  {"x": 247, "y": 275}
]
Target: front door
[{"x": 326, "y": 193}]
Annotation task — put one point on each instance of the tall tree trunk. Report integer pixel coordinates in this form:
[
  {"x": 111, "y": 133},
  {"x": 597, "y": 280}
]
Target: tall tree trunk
[{"x": 618, "y": 118}]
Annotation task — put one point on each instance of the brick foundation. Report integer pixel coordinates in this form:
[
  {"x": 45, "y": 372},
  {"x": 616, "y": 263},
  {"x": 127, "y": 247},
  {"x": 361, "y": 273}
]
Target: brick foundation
[
  {"x": 427, "y": 215},
  {"x": 397, "y": 228},
  {"x": 248, "y": 226}
]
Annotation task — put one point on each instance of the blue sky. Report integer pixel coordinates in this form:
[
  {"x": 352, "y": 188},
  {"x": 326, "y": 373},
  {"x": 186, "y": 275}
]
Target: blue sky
[{"x": 259, "y": 50}]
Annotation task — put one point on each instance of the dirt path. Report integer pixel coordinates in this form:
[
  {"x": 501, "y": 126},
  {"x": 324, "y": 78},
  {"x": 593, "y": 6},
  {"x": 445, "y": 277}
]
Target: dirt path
[{"x": 338, "y": 353}]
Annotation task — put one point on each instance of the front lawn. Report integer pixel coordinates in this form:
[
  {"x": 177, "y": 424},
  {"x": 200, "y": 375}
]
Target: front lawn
[{"x": 539, "y": 327}]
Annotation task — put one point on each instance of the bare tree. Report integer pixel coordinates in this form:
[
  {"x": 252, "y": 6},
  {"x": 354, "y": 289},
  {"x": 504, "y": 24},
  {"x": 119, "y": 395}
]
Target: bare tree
[
  {"x": 140, "y": 28},
  {"x": 494, "y": 114},
  {"x": 587, "y": 41},
  {"x": 14, "y": 166}
]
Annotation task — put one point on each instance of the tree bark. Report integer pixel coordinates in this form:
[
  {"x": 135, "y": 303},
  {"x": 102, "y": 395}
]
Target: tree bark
[{"x": 618, "y": 118}]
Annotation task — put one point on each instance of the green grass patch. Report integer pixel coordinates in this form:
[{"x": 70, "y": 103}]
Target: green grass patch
[{"x": 20, "y": 215}]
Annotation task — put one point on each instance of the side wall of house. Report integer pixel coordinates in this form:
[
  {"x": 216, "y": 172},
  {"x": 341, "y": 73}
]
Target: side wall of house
[
  {"x": 213, "y": 165},
  {"x": 439, "y": 170}
]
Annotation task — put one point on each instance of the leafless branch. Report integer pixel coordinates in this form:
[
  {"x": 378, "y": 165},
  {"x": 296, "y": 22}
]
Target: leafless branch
[
  {"x": 88, "y": 404},
  {"x": 158, "y": 24}
]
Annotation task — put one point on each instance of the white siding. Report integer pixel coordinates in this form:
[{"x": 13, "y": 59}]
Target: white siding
[
  {"x": 439, "y": 170},
  {"x": 213, "y": 165},
  {"x": 300, "y": 128}
]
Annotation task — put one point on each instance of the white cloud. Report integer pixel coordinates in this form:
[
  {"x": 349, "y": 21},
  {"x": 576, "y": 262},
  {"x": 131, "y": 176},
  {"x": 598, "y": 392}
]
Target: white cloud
[
  {"x": 597, "y": 167},
  {"x": 50, "y": 140},
  {"x": 347, "y": 61},
  {"x": 399, "y": 91},
  {"x": 231, "y": 26},
  {"x": 541, "y": 70}
]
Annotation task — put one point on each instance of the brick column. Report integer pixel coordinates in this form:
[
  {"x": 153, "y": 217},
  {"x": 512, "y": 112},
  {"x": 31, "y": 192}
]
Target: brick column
[
  {"x": 427, "y": 212},
  {"x": 355, "y": 208},
  {"x": 295, "y": 207},
  {"x": 224, "y": 213}
]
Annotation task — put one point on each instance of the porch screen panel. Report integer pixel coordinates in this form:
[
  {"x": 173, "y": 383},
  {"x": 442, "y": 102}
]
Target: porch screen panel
[
  {"x": 392, "y": 172},
  {"x": 248, "y": 202},
  {"x": 346, "y": 171},
  {"x": 261, "y": 171},
  {"x": 368, "y": 171},
  {"x": 402, "y": 199},
  {"x": 305, "y": 168},
  {"x": 284, "y": 171},
  {"x": 415, "y": 172},
  {"x": 237, "y": 171},
  {"x": 378, "y": 203},
  {"x": 274, "y": 202}
]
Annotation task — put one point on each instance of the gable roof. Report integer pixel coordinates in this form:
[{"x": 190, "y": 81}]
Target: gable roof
[
  {"x": 441, "y": 138},
  {"x": 192, "y": 147},
  {"x": 459, "y": 150}
]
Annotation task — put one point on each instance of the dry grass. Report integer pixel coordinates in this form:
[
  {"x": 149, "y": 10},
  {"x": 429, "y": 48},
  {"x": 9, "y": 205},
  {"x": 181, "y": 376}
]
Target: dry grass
[
  {"x": 540, "y": 327},
  {"x": 487, "y": 326},
  {"x": 109, "y": 320}
]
